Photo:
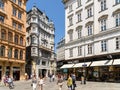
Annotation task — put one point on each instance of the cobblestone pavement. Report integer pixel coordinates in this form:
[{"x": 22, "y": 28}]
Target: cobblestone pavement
[{"x": 26, "y": 85}]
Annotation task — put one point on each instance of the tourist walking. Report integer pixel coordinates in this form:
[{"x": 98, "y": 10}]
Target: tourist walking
[
  {"x": 69, "y": 83},
  {"x": 73, "y": 81},
  {"x": 60, "y": 83},
  {"x": 34, "y": 82},
  {"x": 41, "y": 82},
  {"x": 53, "y": 77}
]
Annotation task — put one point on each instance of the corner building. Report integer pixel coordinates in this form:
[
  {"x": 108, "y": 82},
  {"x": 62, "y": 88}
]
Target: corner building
[
  {"x": 92, "y": 38},
  {"x": 12, "y": 38},
  {"x": 40, "y": 36}
]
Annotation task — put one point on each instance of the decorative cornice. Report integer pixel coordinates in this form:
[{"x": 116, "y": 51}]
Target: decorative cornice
[
  {"x": 65, "y": 1},
  {"x": 116, "y": 11},
  {"x": 103, "y": 17}
]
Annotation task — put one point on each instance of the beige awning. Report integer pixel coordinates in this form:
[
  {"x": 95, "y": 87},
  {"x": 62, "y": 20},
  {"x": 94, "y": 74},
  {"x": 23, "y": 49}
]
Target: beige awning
[
  {"x": 116, "y": 62},
  {"x": 86, "y": 64},
  {"x": 102, "y": 63},
  {"x": 67, "y": 66}
]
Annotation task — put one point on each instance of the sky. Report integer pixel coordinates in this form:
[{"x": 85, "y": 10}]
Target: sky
[{"x": 54, "y": 9}]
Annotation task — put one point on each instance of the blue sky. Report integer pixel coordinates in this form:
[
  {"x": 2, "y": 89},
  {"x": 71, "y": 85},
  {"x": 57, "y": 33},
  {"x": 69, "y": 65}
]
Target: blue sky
[{"x": 54, "y": 9}]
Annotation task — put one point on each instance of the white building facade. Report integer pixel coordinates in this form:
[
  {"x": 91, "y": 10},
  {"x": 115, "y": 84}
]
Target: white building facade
[
  {"x": 60, "y": 51},
  {"x": 92, "y": 33},
  {"x": 40, "y": 44}
]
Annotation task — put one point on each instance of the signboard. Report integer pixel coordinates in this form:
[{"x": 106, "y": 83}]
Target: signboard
[{"x": 84, "y": 65}]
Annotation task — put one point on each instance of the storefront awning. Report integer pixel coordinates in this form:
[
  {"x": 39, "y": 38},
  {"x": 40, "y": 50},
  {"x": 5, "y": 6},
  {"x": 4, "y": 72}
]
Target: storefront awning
[
  {"x": 102, "y": 63},
  {"x": 86, "y": 64},
  {"x": 116, "y": 62},
  {"x": 67, "y": 66}
]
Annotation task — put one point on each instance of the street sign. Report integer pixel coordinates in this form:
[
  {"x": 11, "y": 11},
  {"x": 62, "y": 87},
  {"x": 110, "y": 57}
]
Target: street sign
[{"x": 84, "y": 65}]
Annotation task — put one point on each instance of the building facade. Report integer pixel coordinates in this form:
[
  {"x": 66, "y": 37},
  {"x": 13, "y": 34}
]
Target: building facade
[
  {"x": 60, "y": 51},
  {"x": 40, "y": 44},
  {"x": 12, "y": 38},
  {"x": 92, "y": 35}
]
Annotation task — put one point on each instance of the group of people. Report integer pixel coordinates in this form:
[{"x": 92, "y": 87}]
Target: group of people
[
  {"x": 7, "y": 80},
  {"x": 71, "y": 84},
  {"x": 36, "y": 82}
]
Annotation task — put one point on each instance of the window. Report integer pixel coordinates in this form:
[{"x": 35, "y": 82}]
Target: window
[
  {"x": 103, "y": 24},
  {"x": 70, "y": 36},
  {"x": 104, "y": 46},
  {"x": 89, "y": 27},
  {"x": 70, "y": 8},
  {"x": 10, "y": 53},
  {"x": 21, "y": 54},
  {"x": 79, "y": 17},
  {"x": 19, "y": 27},
  {"x": 103, "y": 5},
  {"x": 90, "y": 49},
  {"x": 79, "y": 3},
  {"x": 3, "y": 34},
  {"x": 33, "y": 50},
  {"x": 19, "y": 2},
  {"x": 14, "y": 11},
  {"x": 118, "y": 43},
  {"x": 10, "y": 36},
  {"x": 16, "y": 54},
  {"x": 19, "y": 15},
  {"x": 33, "y": 40},
  {"x": 16, "y": 39},
  {"x": 70, "y": 21},
  {"x": 14, "y": 24},
  {"x": 21, "y": 40},
  {"x": 89, "y": 12},
  {"x": 117, "y": 19},
  {"x": 2, "y": 4},
  {"x": 3, "y": 51},
  {"x": 71, "y": 52},
  {"x": 117, "y": 1},
  {"x": 1, "y": 19},
  {"x": 14, "y": 1},
  {"x": 43, "y": 63},
  {"x": 34, "y": 19},
  {"x": 79, "y": 32},
  {"x": 79, "y": 50}
]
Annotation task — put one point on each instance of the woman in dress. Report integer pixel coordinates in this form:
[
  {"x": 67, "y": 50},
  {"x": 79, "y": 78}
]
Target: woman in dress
[{"x": 41, "y": 82}]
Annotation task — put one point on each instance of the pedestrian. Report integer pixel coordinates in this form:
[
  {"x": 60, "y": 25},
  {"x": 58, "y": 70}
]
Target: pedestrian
[
  {"x": 69, "y": 82},
  {"x": 50, "y": 77},
  {"x": 53, "y": 77},
  {"x": 73, "y": 81},
  {"x": 60, "y": 83},
  {"x": 34, "y": 82},
  {"x": 83, "y": 80},
  {"x": 41, "y": 82},
  {"x": 10, "y": 81}
]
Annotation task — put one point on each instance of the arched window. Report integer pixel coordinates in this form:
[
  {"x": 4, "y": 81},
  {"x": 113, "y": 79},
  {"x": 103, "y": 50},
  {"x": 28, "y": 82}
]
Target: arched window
[
  {"x": 34, "y": 40},
  {"x": 3, "y": 51},
  {"x": 10, "y": 36},
  {"x": 16, "y": 39},
  {"x": 21, "y": 54},
  {"x": 3, "y": 34},
  {"x": 10, "y": 52},
  {"x": 16, "y": 54},
  {"x": 1, "y": 4},
  {"x": 21, "y": 40}
]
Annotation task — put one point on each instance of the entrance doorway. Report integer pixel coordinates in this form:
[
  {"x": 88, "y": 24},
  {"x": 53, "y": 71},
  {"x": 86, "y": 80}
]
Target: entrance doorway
[{"x": 16, "y": 73}]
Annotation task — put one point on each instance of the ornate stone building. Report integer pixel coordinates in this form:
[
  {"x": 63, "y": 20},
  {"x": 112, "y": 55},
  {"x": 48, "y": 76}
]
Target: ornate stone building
[
  {"x": 92, "y": 38},
  {"x": 40, "y": 44},
  {"x": 12, "y": 38}
]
